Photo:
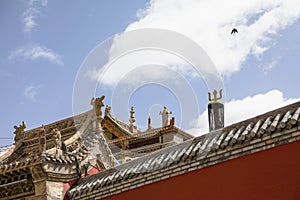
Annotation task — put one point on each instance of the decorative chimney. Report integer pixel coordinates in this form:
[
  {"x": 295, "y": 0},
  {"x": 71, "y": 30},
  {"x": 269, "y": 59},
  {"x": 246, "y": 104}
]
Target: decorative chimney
[
  {"x": 172, "y": 122},
  {"x": 149, "y": 123},
  {"x": 215, "y": 111}
]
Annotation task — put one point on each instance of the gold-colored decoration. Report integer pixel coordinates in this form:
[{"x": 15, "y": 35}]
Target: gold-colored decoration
[
  {"x": 215, "y": 99},
  {"x": 107, "y": 110},
  {"x": 132, "y": 118}
]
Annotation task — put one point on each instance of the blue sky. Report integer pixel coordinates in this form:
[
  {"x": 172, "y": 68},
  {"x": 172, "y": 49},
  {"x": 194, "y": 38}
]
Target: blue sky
[{"x": 44, "y": 43}]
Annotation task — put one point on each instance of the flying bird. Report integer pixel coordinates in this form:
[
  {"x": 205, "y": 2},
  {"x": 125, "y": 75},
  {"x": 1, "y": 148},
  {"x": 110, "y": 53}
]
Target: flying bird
[{"x": 234, "y": 31}]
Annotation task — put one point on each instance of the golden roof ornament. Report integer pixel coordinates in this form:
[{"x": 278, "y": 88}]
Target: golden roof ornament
[
  {"x": 132, "y": 118},
  {"x": 215, "y": 98},
  {"x": 107, "y": 110}
]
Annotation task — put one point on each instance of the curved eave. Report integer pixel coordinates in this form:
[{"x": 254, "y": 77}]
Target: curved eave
[{"x": 113, "y": 126}]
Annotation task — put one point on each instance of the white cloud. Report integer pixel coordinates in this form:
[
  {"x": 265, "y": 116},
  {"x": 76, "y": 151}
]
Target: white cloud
[
  {"x": 34, "y": 52},
  {"x": 118, "y": 70},
  {"x": 129, "y": 51},
  {"x": 31, "y": 13},
  {"x": 209, "y": 22},
  {"x": 271, "y": 65},
  {"x": 240, "y": 109},
  {"x": 31, "y": 91}
]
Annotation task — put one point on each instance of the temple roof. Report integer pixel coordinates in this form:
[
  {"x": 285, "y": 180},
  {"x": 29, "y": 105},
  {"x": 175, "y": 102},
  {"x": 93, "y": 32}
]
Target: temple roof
[
  {"x": 29, "y": 147},
  {"x": 151, "y": 133},
  {"x": 256, "y": 134},
  {"x": 27, "y": 152},
  {"x": 27, "y": 161},
  {"x": 39, "y": 147},
  {"x": 127, "y": 135}
]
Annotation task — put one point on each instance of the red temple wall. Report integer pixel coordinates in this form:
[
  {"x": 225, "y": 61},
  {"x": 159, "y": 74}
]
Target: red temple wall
[{"x": 270, "y": 174}]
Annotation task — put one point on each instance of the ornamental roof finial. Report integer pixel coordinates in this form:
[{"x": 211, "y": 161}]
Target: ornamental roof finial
[
  {"x": 132, "y": 118},
  {"x": 215, "y": 99}
]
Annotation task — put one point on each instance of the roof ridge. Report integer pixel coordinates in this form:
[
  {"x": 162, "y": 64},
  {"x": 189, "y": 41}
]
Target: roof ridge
[
  {"x": 265, "y": 115},
  {"x": 58, "y": 121}
]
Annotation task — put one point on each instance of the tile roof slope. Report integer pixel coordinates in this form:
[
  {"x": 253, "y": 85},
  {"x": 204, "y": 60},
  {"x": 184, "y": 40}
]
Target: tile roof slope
[
  {"x": 80, "y": 154},
  {"x": 24, "y": 161},
  {"x": 67, "y": 127},
  {"x": 235, "y": 136}
]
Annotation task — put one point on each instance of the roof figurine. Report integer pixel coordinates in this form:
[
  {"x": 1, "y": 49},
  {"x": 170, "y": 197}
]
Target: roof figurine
[
  {"x": 19, "y": 131},
  {"x": 107, "y": 110},
  {"x": 57, "y": 136},
  {"x": 98, "y": 104},
  {"x": 165, "y": 116},
  {"x": 42, "y": 140}
]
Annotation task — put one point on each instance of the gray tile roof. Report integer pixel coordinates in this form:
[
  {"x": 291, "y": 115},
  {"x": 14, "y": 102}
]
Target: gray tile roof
[
  {"x": 24, "y": 161},
  {"x": 80, "y": 154},
  {"x": 236, "y": 135},
  {"x": 124, "y": 128}
]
